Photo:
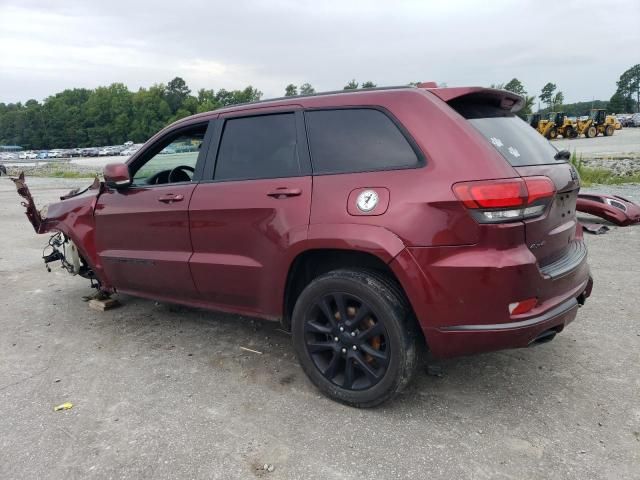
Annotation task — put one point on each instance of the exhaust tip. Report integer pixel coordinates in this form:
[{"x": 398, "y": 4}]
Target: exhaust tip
[{"x": 544, "y": 337}]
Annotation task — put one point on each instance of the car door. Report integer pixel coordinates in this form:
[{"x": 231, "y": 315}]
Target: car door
[
  {"x": 250, "y": 211},
  {"x": 142, "y": 231}
]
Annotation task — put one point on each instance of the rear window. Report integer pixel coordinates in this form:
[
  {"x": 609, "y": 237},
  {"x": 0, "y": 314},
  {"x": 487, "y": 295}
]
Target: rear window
[
  {"x": 514, "y": 138},
  {"x": 356, "y": 140}
]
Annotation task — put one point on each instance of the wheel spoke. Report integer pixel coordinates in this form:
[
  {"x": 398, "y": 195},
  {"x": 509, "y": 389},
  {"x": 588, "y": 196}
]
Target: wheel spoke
[
  {"x": 341, "y": 305},
  {"x": 326, "y": 310},
  {"x": 314, "y": 327},
  {"x": 378, "y": 355},
  {"x": 361, "y": 314},
  {"x": 315, "y": 347},
  {"x": 348, "y": 374},
  {"x": 330, "y": 371},
  {"x": 373, "y": 331},
  {"x": 366, "y": 368}
]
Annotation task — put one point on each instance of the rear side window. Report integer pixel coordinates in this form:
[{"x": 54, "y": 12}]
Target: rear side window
[
  {"x": 514, "y": 138},
  {"x": 356, "y": 140},
  {"x": 258, "y": 147}
]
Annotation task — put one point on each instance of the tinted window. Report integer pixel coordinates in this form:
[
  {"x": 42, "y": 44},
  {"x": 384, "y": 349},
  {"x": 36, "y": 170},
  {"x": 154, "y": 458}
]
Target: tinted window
[
  {"x": 258, "y": 147},
  {"x": 514, "y": 138},
  {"x": 356, "y": 140}
]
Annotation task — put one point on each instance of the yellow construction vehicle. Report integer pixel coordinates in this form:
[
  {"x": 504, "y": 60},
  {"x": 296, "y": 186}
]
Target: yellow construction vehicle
[
  {"x": 544, "y": 126},
  {"x": 563, "y": 125},
  {"x": 597, "y": 123}
]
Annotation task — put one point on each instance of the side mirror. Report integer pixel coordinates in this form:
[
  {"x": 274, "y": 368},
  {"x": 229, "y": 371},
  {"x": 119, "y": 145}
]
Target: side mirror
[{"x": 116, "y": 175}]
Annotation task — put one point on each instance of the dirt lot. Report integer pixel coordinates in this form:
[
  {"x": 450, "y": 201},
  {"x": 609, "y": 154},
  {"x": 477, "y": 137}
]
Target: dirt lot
[{"x": 161, "y": 391}]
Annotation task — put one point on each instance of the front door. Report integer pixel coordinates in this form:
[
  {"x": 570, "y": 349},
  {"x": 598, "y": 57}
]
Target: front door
[
  {"x": 142, "y": 232},
  {"x": 255, "y": 206}
]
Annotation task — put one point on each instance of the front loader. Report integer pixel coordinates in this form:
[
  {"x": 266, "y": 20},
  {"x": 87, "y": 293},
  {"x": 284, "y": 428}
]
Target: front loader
[{"x": 597, "y": 123}]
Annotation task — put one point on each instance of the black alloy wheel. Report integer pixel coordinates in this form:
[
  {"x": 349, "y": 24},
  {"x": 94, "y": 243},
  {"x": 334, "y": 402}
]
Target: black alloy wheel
[{"x": 346, "y": 341}]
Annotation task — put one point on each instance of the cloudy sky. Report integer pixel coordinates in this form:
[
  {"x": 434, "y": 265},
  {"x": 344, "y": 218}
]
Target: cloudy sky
[{"x": 583, "y": 46}]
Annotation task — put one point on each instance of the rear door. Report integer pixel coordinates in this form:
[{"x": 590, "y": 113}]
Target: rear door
[
  {"x": 549, "y": 236},
  {"x": 253, "y": 205}
]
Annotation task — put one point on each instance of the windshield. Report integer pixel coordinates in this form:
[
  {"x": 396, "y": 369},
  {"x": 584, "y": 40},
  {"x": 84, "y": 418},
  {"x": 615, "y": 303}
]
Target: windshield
[{"x": 516, "y": 141}]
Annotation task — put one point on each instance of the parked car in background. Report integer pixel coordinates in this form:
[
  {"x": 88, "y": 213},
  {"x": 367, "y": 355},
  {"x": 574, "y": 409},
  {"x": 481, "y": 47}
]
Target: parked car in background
[
  {"x": 89, "y": 152},
  {"x": 130, "y": 151},
  {"x": 318, "y": 215},
  {"x": 635, "y": 120},
  {"x": 625, "y": 120},
  {"x": 28, "y": 155}
]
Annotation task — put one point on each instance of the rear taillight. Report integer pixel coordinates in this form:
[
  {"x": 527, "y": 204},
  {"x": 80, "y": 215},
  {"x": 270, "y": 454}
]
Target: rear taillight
[{"x": 496, "y": 201}]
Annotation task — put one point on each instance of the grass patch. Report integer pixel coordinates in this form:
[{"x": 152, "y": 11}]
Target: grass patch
[{"x": 601, "y": 176}]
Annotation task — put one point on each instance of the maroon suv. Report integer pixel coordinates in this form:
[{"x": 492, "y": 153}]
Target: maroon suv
[{"x": 370, "y": 223}]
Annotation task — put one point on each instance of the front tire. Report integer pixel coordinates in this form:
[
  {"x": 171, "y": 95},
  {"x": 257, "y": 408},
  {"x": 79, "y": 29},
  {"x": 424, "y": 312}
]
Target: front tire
[
  {"x": 591, "y": 132},
  {"x": 355, "y": 337}
]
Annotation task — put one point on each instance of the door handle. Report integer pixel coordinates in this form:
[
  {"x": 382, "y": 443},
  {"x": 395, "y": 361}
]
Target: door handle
[
  {"x": 285, "y": 192},
  {"x": 170, "y": 198}
]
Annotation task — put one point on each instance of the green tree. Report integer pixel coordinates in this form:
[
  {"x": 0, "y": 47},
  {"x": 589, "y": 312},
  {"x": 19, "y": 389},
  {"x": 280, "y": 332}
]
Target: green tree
[
  {"x": 546, "y": 96},
  {"x": 307, "y": 89},
  {"x": 352, "y": 85},
  {"x": 514, "y": 85},
  {"x": 617, "y": 103},
  {"x": 556, "y": 102},
  {"x": 368, "y": 84},
  {"x": 629, "y": 88},
  {"x": 290, "y": 90},
  {"x": 177, "y": 92}
]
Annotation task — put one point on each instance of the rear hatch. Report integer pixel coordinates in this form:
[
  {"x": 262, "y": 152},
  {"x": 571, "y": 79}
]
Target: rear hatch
[{"x": 551, "y": 237}]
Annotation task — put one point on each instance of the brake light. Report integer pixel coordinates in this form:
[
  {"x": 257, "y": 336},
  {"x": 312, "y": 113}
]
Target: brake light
[{"x": 495, "y": 201}]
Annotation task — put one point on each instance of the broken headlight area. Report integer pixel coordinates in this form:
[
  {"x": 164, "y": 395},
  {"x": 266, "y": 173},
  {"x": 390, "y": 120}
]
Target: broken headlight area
[{"x": 62, "y": 249}]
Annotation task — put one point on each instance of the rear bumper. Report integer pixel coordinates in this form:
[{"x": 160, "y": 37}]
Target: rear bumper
[{"x": 461, "y": 295}]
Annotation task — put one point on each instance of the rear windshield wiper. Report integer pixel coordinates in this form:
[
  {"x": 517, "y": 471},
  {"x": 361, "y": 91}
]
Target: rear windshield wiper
[{"x": 562, "y": 155}]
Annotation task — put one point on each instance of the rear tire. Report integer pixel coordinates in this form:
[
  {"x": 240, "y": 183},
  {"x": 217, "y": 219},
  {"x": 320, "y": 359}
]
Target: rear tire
[
  {"x": 569, "y": 132},
  {"x": 608, "y": 131},
  {"x": 355, "y": 337}
]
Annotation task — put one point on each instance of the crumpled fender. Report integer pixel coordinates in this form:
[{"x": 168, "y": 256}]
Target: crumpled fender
[
  {"x": 613, "y": 208},
  {"x": 73, "y": 216}
]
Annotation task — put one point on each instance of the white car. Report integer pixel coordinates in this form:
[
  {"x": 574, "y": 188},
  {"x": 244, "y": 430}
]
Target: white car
[
  {"x": 28, "y": 156},
  {"x": 129, "y": 151}
]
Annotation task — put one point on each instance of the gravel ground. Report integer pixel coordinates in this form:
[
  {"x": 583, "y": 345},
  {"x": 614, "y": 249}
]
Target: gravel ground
[{"x": 161, "y": 391}]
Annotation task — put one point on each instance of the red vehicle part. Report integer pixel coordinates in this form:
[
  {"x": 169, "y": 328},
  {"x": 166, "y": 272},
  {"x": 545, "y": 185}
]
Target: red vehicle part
[{"x": 616, "y": 209}]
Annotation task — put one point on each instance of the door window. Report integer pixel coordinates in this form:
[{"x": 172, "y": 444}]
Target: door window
[
  {"x": 258, "y": 147},
  {"x": 174, "y": 160}
]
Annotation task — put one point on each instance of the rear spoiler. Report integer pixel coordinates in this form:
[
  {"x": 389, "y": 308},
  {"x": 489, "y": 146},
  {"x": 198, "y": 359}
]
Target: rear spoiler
[{"x": 500, "y": 98}]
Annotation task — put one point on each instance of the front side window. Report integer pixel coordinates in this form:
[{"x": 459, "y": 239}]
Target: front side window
[
  {"x": 356, "y": 140},
  {"x": 175, "y": 162},
  {"x": 264, "y": 146}
]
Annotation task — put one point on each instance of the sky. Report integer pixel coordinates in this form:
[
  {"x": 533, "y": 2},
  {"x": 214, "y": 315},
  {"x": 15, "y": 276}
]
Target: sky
[{"x": 581, "y": 46}]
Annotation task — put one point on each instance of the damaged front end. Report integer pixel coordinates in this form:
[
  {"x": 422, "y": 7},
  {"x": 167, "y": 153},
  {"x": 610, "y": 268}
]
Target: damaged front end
[{"x": 72, "y": 224}]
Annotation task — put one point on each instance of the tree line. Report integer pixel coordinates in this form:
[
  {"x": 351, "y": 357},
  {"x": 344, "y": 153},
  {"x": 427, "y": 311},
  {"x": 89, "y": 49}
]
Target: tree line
[{"x": 112, "y": 115}]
